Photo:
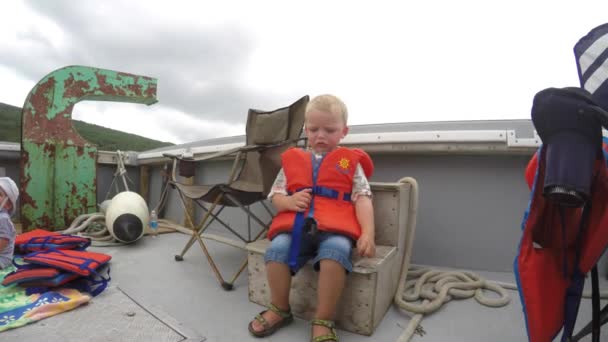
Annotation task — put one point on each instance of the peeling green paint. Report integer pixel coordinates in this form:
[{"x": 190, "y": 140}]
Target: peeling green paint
[{"x": 58, "y": 167}]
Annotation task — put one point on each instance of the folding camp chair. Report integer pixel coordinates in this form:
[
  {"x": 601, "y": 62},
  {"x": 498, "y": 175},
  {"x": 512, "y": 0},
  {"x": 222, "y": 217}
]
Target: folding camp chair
[{"x": 254, "y": 169}]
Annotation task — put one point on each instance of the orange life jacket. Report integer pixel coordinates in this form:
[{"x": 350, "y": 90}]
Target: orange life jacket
[
  {"x": 331, "y": 205},
  {"x": 40, "y": 240},
  {"x": 38, "y": 277},
  {"x": 80, "y": 262},
  {"x": 54, "y": 267}
]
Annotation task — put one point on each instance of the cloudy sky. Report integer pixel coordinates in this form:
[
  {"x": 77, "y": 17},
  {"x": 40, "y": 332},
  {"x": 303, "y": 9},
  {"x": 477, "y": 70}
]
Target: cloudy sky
[{"x": 390, "y": 61}]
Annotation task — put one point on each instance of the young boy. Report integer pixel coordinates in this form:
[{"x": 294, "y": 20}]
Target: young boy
[
  {"x": 323, "y": 198},
  {"x": 8, "y": 204}
]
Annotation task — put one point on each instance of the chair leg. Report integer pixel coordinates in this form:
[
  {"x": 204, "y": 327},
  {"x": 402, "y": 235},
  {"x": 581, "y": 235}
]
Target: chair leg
[
  {"x": 225, "y": 285},
  {"x": 202, "y": 226},
  {"x": 196, "y": 236},
  {"x": 180, "y": 257},
  {"x": 238, "y": 273},
  {"x": 244, "y": 264},
  {"x": 197, "y": 230}
]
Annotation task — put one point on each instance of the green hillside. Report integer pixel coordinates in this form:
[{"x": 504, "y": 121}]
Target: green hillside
[{"x": 106, "y": 139}]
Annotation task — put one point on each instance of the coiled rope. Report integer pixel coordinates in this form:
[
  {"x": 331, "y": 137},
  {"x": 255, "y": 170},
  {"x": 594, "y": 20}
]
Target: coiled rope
[
  {"x": 434, "y": 287},
  {"x": 423, "y": 290},
  {"x": 428, "y": 289}
]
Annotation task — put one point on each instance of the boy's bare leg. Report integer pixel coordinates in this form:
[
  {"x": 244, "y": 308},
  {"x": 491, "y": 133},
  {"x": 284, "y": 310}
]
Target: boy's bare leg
[
  {"x": 279, "y": 281},
  {"x": 332, "y": 278}
]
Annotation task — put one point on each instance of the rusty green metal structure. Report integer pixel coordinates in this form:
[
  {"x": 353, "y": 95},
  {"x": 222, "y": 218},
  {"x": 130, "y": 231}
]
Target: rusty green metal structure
[{"x": 58, "y": 179}]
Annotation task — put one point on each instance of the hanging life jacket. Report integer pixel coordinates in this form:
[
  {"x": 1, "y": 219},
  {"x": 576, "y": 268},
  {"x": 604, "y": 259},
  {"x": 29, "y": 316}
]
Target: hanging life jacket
[
  {"x": 561, "y": 241},
  {"x": 331, "y": 180}
]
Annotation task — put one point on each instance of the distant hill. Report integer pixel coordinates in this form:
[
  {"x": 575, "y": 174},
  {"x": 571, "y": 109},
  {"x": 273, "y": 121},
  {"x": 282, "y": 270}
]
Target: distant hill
[{"x": 106, "y": 139}]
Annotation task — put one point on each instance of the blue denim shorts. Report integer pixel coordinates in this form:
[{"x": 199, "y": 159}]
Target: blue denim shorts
[{"x": 331, "y": 246}]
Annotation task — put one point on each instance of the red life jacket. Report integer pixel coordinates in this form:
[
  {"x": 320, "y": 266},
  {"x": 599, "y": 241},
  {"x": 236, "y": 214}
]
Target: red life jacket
[
  {"x": 40, "y": 239},
  {"x": 335, "y": 176},
  {"x": 38, "y": 277},
  {"x": 51, "y": 268},
  {"x": 550, "y": 277},
  {"x": 79, "y": 262}
]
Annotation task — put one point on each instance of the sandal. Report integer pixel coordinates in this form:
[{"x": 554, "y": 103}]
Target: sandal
[
  {"x": 332, "y": 336},
  {"x": 286, "y": 318}
]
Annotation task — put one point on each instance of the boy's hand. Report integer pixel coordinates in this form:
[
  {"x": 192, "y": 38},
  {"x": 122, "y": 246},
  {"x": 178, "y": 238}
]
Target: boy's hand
[
  {"x": 366, "y": 246},
  {"x": 300, "y": 200}
]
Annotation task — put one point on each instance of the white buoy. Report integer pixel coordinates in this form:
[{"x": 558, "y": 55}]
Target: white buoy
[
  {"x": 103, "y": 207},
  {"x": 127, "y": 217}
]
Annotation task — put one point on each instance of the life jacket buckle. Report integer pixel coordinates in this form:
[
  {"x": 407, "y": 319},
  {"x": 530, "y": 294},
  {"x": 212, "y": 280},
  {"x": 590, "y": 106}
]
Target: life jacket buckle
[{"x": 311, "y": 230}]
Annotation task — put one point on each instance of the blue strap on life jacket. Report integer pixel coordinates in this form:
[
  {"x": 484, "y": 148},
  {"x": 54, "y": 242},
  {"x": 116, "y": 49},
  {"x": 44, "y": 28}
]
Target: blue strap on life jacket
[
  {"x": 40, "y": 243},
  {"x": 605, "y": 141},
  {"x": 298, "y": 222},
  {"x": 324, "y": 191},
  {"x": 84, "y": 266},
  {"x": 90, "y": 284},
  {"x": 577, "y": 280},
  {"x": 83, "y": 284},
  {"x": 300, "y": 219}
]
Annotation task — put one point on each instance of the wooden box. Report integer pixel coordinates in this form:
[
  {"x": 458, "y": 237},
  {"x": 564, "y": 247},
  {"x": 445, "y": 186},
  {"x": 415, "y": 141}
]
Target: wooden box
[{"x": 371, "y": 286}]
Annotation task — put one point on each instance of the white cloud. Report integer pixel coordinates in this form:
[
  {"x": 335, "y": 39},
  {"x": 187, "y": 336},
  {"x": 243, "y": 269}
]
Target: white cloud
[
  {"x": 155, "y": 121},
  {"x": 390, "y": 61},
  {"x": 16, "y": 93}
]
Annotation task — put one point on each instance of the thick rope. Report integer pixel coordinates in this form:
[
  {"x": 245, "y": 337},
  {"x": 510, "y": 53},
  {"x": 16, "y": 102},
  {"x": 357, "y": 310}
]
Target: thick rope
[
  {"x": 431, "y": 286},
  {"x": 434, "y": 287},
  {"x": 92, "y": 226},
  {"x": 439, "y": 287},
  {"x": 427, "y": 290}
]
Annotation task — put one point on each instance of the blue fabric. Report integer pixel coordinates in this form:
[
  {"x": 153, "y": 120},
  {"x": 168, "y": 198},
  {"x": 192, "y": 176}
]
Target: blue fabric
[
  {"x": 323, "y": 191},
  {"x": 298, "y": 224},
  {"x": 593, "y": 65},
  {"x": 605, "y": 141},
  {"x": 573, "y": 299},
  {"x": 93, "y": 284},
  {"x": 294, "y": 251},
  {"x": 331, "y": 246}
]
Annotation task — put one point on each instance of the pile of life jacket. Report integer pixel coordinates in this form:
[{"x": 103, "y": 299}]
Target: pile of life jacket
[{"x": 46, "y": 260}]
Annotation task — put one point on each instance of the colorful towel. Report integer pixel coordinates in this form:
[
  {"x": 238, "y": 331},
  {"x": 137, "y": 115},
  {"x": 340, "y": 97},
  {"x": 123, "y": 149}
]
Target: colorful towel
[{"x": 18, "y": 309}]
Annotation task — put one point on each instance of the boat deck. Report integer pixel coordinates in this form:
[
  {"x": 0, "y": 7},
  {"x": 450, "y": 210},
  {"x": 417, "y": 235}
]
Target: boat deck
[{"x": 186, "y": 297}]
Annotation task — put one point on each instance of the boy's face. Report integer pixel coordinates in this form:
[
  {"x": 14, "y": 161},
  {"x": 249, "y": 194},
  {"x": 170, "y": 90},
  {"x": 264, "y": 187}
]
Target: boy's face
[{"x": 324, "y": 130}]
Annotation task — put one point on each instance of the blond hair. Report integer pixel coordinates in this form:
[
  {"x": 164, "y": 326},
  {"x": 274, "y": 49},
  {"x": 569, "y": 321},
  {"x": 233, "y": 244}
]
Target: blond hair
[{"x": 328, "y": 103}]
